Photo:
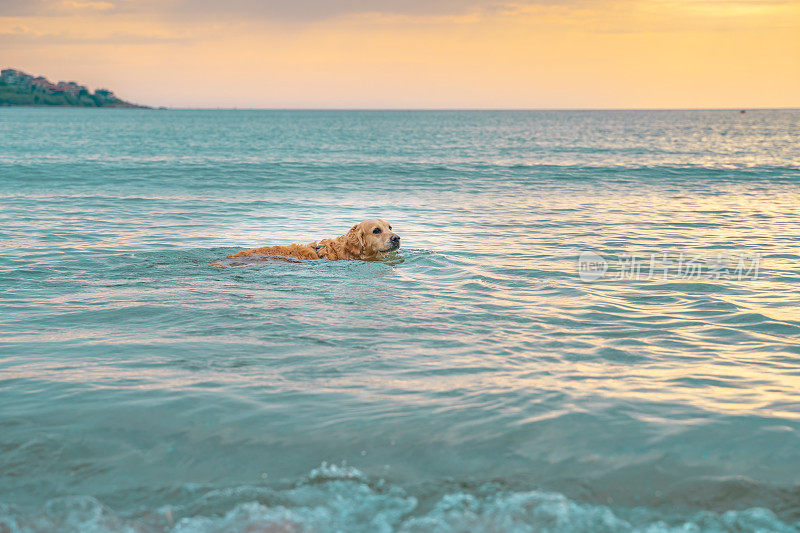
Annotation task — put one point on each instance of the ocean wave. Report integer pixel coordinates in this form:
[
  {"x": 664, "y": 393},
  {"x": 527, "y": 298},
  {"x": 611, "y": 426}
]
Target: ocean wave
[
  {"x": 256, "y": 168},
  {"x": 335, "y": 498}
]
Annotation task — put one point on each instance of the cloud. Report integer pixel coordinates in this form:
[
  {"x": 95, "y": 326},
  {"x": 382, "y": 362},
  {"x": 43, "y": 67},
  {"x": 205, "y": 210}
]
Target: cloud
[
  {"x": 75, "y": 5},
  {"x": 303, "y": 10},
  {"x": 40, "y": 8},
  {"x": 21, "y": 36},
  {"x": 21, "y": 8},
  {"x": 279, "y": 10},
  {"x": 315, "y": 10}
]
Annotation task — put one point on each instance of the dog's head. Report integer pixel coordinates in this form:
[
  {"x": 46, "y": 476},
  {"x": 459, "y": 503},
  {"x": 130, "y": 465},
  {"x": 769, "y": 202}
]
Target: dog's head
[{"x": 373, "y": 237}]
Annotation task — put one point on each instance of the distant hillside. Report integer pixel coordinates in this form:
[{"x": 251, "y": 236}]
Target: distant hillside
[{"x": 20, "y": 88}]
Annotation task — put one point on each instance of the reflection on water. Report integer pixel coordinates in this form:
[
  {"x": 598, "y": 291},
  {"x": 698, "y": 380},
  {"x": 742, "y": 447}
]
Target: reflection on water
[{"x": 472, "y": 382}]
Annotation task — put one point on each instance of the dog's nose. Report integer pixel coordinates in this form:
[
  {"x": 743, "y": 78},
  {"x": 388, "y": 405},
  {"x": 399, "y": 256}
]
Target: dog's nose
[{"x": 395, "y": 238}]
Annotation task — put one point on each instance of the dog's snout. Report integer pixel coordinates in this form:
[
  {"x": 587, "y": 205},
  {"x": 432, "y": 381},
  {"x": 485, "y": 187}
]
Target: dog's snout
[{"x": 395, "y": 238}]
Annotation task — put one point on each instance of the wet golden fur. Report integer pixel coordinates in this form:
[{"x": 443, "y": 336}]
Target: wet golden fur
[{"x": 359, "y": 243}]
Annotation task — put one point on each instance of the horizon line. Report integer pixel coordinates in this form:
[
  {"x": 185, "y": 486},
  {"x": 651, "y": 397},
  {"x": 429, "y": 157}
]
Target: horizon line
[
  {"x": 475, "y": 109},
  {"x": 170, "y": 108}
]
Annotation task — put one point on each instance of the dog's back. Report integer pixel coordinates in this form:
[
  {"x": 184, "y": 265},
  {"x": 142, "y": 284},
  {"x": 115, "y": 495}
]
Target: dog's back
[{"x": 299, "y": 251}]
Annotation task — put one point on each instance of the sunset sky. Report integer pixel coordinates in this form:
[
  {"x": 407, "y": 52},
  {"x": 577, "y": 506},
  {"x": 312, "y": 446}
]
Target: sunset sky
[{"x": 415, "y": 53}]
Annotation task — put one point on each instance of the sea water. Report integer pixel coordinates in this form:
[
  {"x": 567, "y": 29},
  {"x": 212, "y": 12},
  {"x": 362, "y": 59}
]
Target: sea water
[{"x": 593, "y": 323}]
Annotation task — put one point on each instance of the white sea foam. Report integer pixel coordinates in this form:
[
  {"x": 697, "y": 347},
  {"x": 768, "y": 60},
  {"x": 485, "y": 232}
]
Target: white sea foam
[{"x": 336, "y": 498}]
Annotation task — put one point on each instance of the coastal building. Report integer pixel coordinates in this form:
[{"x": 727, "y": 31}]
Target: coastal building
[
  {"x": 42, "y": 83},
  {"x": 70, "y": 87},
  {"x": 25, "y": 89},
  {"x": 15, "y": 77}
]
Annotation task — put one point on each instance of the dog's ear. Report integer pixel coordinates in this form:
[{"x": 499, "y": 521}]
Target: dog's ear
[{"x": 355, "y": 241}]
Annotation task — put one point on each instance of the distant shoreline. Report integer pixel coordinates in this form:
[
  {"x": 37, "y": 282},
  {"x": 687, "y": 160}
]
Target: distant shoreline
[
  {"x": 446, "y": 109},
  {"x": 403, "y": 110},
  {"x": 20, "y": 89},
  {"x": 67, "y": 106}
]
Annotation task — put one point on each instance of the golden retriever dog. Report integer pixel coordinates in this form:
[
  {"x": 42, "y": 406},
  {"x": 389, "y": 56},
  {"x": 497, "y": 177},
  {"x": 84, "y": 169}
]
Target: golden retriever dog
[{"x": 367, "y": 240}]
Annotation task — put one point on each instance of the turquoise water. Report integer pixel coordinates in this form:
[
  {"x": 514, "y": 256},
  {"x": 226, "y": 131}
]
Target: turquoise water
[{"x": 473, "y": 382}]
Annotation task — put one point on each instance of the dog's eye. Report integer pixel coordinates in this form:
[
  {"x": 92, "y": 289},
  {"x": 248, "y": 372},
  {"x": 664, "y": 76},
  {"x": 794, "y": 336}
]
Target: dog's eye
[
  {"x": 390, "y": 227},
  {"x": 376, "y": 230}
]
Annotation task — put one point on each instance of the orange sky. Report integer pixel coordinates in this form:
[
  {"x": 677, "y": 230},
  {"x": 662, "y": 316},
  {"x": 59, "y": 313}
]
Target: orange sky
[{"x": 415, "y": 54}]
